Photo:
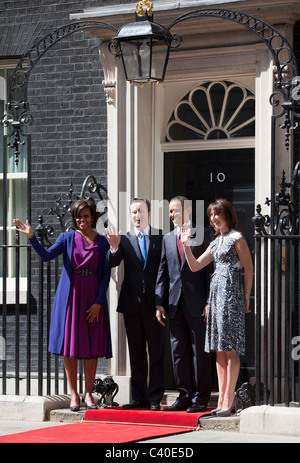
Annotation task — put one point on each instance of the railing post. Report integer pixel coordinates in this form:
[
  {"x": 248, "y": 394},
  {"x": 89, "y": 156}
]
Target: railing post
[
  {"x": 40, "y": 235},
  {"x": 257, "y": 318},
  {"x": 17, "y": 315}
]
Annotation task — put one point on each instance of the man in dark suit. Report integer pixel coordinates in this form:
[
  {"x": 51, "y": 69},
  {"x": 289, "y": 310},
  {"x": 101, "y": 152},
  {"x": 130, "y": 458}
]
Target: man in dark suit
[
  {"x": 186, "y": 294},
  {"x": 140, "y": 249}
]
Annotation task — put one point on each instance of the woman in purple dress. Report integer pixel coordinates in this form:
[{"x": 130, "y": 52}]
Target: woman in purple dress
[{"x": 79, "y": 326}]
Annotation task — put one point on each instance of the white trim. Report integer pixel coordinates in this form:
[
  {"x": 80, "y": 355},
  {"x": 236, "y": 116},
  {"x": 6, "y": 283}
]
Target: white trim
[
  {"x": 11, "y": 290},
  {"x": 15, "y": 175},
  {"x": 203, "y": 145}
]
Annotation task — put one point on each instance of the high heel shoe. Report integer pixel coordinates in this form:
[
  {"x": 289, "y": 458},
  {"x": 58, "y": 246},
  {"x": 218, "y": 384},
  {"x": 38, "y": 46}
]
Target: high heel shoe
[
  {"x": 89, "y": 407},
  {"x": 215, "y": 411},
  {"x": 75, "y": 408},
  {"x": 229, "y": 410}
]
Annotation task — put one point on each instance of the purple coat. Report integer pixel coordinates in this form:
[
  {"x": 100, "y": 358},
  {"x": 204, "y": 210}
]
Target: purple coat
[{"x": 64, "y": 245}]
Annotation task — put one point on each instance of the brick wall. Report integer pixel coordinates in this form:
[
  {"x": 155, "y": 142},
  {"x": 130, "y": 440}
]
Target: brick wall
[
  {"x": 68, "y": 105},
  {"x": 65, "y": 94}
]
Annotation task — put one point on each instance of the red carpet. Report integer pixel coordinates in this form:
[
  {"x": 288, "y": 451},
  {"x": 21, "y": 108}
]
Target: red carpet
[
  {"x": 112, "y": 426},
  {"x": 89, "y": 432},
  {"x": 118, "y": 415}
]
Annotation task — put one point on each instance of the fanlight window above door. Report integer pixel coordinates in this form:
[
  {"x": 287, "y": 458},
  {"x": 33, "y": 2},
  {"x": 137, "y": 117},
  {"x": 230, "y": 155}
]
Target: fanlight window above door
[{"x": 215, "y": 110}]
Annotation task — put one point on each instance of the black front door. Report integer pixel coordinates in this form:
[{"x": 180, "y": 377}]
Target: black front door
[{"x": 207, "y": 175}]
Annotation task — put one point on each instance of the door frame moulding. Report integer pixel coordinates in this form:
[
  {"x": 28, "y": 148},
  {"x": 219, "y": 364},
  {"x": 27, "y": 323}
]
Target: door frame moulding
[{"x": 206, "y": 145}]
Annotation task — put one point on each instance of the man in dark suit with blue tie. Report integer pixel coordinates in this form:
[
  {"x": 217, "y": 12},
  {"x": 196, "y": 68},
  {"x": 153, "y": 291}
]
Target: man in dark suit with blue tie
[
  {"x": 140, "y": 250},
  {"x": 186, "y": 294}
]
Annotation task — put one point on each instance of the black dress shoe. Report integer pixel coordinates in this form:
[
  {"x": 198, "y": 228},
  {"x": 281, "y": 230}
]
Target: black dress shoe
[
  {"x": 136, "y": 404},
  {"x": 194, "y": 408},
  {"x": 155, "y": 406},
  {"x": 178, "y": 405}
]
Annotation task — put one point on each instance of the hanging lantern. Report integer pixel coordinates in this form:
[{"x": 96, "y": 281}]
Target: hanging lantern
[{"x": 144, "y": 47}]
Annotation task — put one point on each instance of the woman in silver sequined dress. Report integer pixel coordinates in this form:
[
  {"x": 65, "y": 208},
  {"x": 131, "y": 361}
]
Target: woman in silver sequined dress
[{"x": 229, "y": 297}]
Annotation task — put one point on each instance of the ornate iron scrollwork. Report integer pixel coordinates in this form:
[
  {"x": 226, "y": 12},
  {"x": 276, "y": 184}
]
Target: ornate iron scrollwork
[
  {"x": 107, "y": 389},
  {"x": 62, "y": 210},
  {"x": 285, "y": 220},
  {"x": 17, "y": 109},
  {"x": 275, "y": 41},
  {"x": 247, "y": 394},
  {"x": 15, "y": 119}
]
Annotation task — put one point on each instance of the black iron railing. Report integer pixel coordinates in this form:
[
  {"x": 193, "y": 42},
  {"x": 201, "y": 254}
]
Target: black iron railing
[
  {"x": 277, "y": 272},
  {"x": 26, "y": 366}
]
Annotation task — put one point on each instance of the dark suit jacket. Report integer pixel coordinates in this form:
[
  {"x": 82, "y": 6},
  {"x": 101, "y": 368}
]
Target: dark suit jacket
[
  {"x": 175, "y": 278},
  {"x": 135, "y": 272}
]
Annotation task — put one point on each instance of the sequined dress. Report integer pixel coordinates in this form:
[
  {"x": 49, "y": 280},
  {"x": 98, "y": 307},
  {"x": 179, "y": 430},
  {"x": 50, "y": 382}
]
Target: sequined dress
[{"x": 226, "y": 309}]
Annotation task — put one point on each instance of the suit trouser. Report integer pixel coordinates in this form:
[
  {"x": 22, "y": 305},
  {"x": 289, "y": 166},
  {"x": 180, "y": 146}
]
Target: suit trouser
[
  {"x": 191, "y": 364},
  {"x": 143, "y": 330}
]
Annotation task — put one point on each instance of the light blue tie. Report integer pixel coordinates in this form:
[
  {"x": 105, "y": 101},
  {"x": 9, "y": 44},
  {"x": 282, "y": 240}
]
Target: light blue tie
[{"x": 142, "y": 244}]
